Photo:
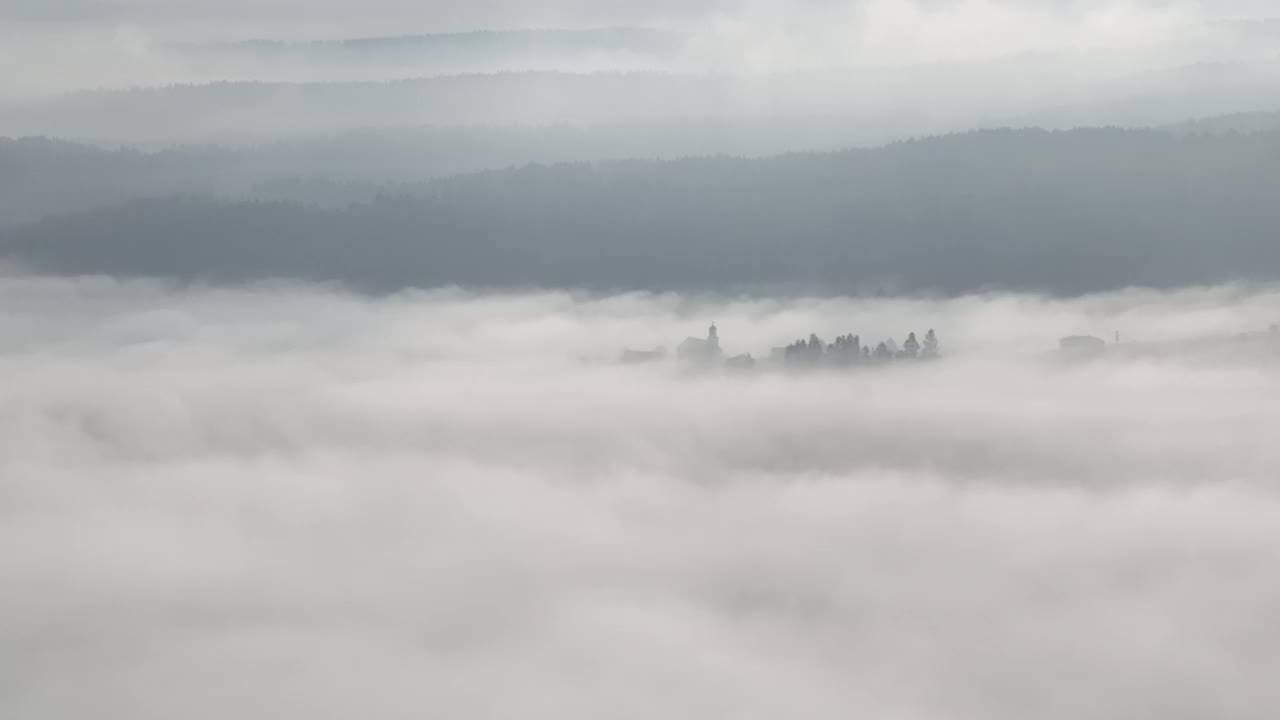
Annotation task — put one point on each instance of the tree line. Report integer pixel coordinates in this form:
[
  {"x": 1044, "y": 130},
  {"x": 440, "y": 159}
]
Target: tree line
[
  {"x": 849, "y": 351},
  {"x": 1059, "y": 212},
  {"x": 41, "y": 176}
]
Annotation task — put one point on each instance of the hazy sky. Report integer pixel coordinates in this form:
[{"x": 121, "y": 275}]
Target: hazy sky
[
  {"x": 290, "y": 503},
  {"x": 70, "y": 44},
  {"x": 484, "y": 12},
  {"x": 328, "y": 17},
  {"x": 960, "y": 19}
]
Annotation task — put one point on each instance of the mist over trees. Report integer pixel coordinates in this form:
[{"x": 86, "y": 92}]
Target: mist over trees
[
  {"x": 878, "y": 104},
  {"x": 1225, "y": 124},
  {"x": 1064, "y": 212},
  {"x": 261, "y": 111},
  {"x": 434, "y": 53},
  {"x": 41, "y": 176}
]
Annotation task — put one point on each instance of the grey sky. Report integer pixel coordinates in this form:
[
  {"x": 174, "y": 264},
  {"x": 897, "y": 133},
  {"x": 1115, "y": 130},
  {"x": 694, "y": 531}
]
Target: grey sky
[
  {"x": 483, "y": 14},
  {"x": 51, "y": 47}
]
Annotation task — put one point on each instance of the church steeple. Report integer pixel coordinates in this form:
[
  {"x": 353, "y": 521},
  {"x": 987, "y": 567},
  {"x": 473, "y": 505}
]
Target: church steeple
[{"x": 713, "y": 336}]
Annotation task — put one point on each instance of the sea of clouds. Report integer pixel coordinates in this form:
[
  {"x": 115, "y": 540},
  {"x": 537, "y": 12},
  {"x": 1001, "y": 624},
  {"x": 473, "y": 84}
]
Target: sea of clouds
[{"x": 284, "y": 502}]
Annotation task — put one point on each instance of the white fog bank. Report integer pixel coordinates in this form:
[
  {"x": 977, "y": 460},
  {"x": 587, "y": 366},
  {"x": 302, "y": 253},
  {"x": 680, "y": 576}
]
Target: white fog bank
[{"x": 292, "y": 502}]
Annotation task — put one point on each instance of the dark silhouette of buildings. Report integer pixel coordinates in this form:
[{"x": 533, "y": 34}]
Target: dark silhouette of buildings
[{"x": 847, "y": 351}]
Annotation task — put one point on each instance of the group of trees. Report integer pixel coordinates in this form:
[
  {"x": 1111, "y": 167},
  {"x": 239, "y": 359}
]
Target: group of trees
[{"x": 848, "y": 351}]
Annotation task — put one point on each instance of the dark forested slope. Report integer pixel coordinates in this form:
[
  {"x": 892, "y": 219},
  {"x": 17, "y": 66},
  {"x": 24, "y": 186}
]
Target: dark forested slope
[
  {"x": 40, "y": 177},
  {"x": 1063, "y": 212}
]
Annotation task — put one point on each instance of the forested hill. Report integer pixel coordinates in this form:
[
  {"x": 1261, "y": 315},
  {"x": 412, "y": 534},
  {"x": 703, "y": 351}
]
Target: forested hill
[
  {"x": 40, "y": 177},
  {"x": 1065, "y": 212}
]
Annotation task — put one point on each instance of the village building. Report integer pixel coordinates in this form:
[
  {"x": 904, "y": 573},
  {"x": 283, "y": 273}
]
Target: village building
[{"x": 700, "y": 351}]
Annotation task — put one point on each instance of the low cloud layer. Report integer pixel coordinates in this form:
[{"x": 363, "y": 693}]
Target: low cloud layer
[{"x": 290, "y": 502}]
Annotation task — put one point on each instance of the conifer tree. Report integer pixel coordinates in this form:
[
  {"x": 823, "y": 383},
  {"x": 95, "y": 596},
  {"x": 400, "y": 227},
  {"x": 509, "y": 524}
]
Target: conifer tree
[{"x": 930, "y": 345}]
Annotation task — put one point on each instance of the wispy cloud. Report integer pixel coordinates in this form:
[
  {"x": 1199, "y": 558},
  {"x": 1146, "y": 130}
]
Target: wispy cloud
[{"x": 72, "y": 45}]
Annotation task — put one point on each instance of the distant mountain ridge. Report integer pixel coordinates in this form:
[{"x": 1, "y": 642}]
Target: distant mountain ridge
[
  {"x": 1251, "y": 122},
  {"x": 40, "y": 176},
  {"x": 1061, "y": 212},
  {"x": 613, "y": 38},
  {"x": 44, "y": 176},
  {"x": 881, "y": 103}
]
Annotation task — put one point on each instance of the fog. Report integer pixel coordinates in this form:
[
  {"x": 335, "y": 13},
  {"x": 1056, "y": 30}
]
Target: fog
[
  {"x": 496, "y": 359},
  {"x": 919, "y": 67},
  {"x": 285, "y": 501}
]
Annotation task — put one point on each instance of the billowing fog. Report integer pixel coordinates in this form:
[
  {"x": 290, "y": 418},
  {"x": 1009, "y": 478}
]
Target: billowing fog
[
  {"x": 675, "y": 359},
  {"x": 290, "y": 502}
]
